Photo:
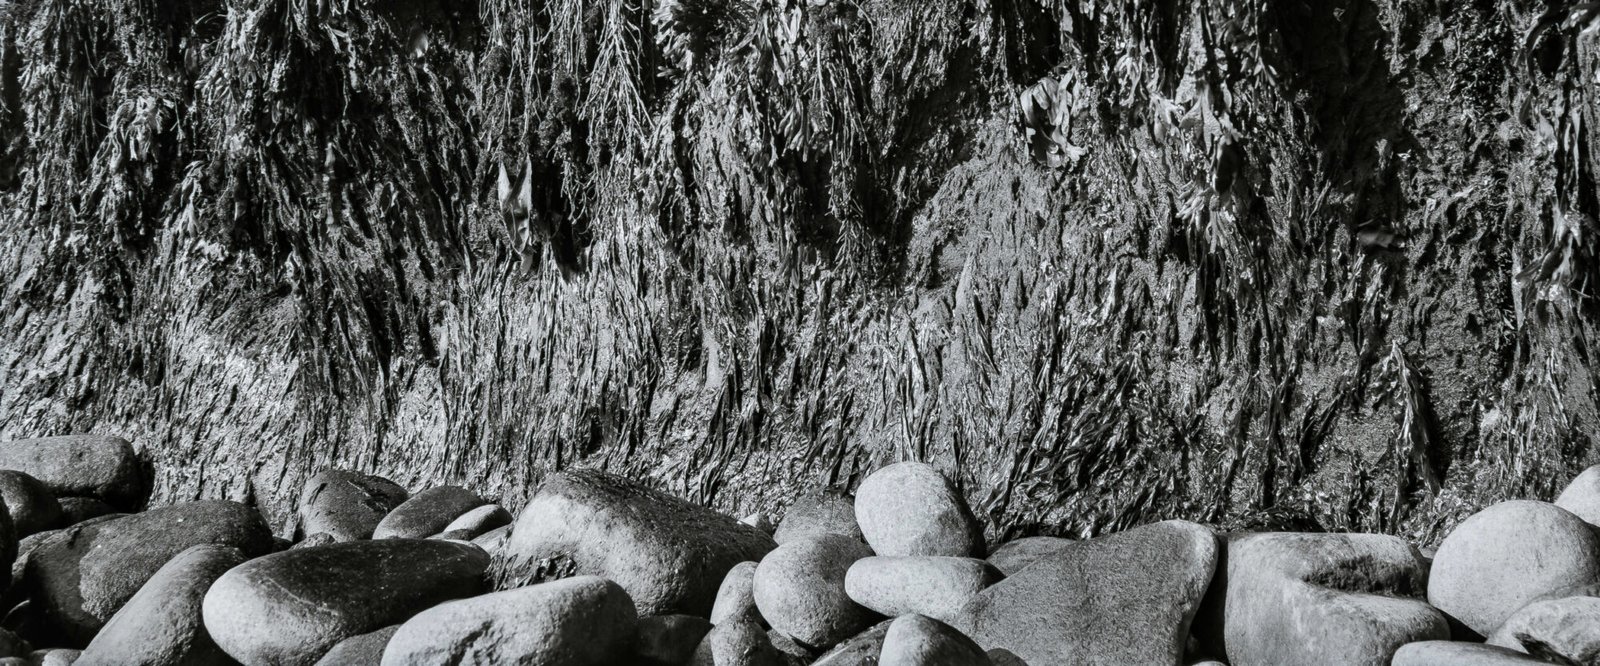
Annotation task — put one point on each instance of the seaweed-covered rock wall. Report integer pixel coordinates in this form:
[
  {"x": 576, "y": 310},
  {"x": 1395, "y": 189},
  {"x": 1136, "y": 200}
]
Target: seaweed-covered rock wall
[{"x": 1320, "y": 265}]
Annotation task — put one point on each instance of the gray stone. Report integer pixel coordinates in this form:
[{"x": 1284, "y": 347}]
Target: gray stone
[
  {"x": 100, "y": 466},
  {"x": 799, "y": 589},
  {"x": 918, "y": 640},
  {"x": 291, "y": 607},
  {"x": 760, "y": 521},
  {"x": 361, "y": 650},
  {"x": 1455, "y": 653},
  {"x": 738, "y": 642},
  {"x": 1503, "y": 557},
  {"x": 580, "y": 621},
  {"x": 735, "y": 597},
  {"x": 75, "y": 510},
  {"x": 1565, "y": 631},
  {"x": 480, "y": 521},
  {"x": 32, "y": 507},
  {"x": 427, "y": 513},
  {"x": 862, "y": 649},
  {"x": 930, "y": 585},
  {"x": 669, "y": 640},
  {"x": 823, "y": 512},
  {"x": 315, "y": 540},
  {"x": 1003, "y": 657},
  {"x": 1582, "y": 496},
  {"x": 910, "y": 508},
  {"x": 1013, "y": 555},
  {"x": 161, "y": 623},
  {"x": 347, "y": 505},
  {"x": 670, "y": 555},
  {"x": 56, "y": 656},
  {"x": 1127, "y": 598},
  {"x": 80, "y": 576},
  {"x": 1283, "y": 598}
]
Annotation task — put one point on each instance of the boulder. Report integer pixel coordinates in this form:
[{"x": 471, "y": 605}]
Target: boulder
[
  {"x": 910, "y": 508},
  {"x": 427, "y": 513},
  {"x": 161, "y": 623},
  {"x": 1565, "y": 631},
  {"x": 823, "y": 512},
  {"x": 291, "y": 607},
  {"x": 1582, "y": 496},
  {"x": 80, "y": 576},
  {"x": 360, "y": 650},
  {"x": 1455, "y": 653},
  {"x": 75, "y": 510},
  {"x": 56, "y": 656},
  {"x": 737, "y": 642},
  {"x": 935, "y": 586},
  {"x": 669, "y": 640},
  {"x": 315, "y": 540},
  {"x": 760, "y": 521},
  {"x": 862, "y": 649},
  {"x": 1503, "y": 557},
  {"x": 1012, "y": 556},
  {"x": 479, "y": 521},
  {"x": 799, "y": 589},
  {"x": 578, "y": 621},
  {"x": 670, "y": 555},
  {"x": 918, "y": 640},
  {"x": 1283, "y": 598},
  {"x": 494, "y": 541},
  {"x": 735, "y": 597},
  {"x": 1127, "y": 598},
  {"x": 32, "y": 507},
  {"x": 346, "y": 505},
  {"x": 1002, "y": 657},
  {"x": 104, "y": 467}
]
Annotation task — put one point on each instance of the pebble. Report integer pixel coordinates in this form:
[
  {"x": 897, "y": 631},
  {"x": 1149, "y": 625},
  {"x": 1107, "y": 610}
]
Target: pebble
[
  {"x": 935, "y": 586},
  {"x": 1503, "y": 557},
  {"x": 799, "y": 590},
  {"x": 579, "y": 621},
  {"x": 910, "y": 508},
  {"x": 427, "y": 513}
]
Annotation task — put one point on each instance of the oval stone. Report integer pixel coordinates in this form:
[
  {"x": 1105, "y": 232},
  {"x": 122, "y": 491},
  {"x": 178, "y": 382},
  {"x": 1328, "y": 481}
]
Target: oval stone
[
  {"x": 427, "y": 513},
  {"x": 104, "y": 467},
  {"x": 799, "y": 589},
  {"x": 1503, "y": 557},
  {"x": 910, "y": 508},
  {"x": 161, "y": 623},
  {"x": 580, "y": 621}
]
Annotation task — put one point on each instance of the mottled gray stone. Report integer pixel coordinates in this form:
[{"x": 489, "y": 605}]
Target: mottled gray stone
[
  {"x": 360, "y": 650},
  {"x": 918, "y": 640},
  {"x": 104, "y": 467},
  {"x": 669, "y": 640},
  {"x": 32, "y": 507},
  {"x": 1503, "y": 557},
  {"x": 930, "y": 585},
  {"x": 1565, "y": 630},
  {"x": 479, "y": 521},
  {"x": 346, "y": 505},
  {"x": 427, "y": 513},
  {"x": 910, "y": 508},
  {"x": 580, "y": 621},
  {"x": 735, "y": 597},
  {"x": 799, "y": 589},
  {"x": 1455, "y": 653},
  {"x": 161, "y": 623},
  {"x": 1013, "y": 555},
  {"x": 821, "y": 512}
]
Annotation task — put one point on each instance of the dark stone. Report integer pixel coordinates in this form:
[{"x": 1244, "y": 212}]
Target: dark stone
[
  {"x": 32, "y": 507},
  {"x": 669, "y": 640},
  {"x": 360, "y": 650},
  {"x": 427, "y": 513},
  {"x": 100, "y": 466},
  {"x": 161, "y": 623},
  {"x": 347, "y": 505}
]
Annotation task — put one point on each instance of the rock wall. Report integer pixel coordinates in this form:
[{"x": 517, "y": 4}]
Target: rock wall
[{"x": 1305, "y": 265}]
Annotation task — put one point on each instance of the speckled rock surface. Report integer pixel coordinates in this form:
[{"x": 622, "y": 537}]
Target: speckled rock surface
[{"x": 1505, "y": 556}]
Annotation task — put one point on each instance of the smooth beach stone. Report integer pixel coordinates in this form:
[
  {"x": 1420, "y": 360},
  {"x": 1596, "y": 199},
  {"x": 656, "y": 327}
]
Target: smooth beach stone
[
  {"x": 863, "y": 649},
  {"x": 918, "y": 640},
  {"x": 935, "y": 586},
  {"x": 821, "y": 512},
  {"x": 737, "y": 642},
  {"x": 1565, "y": 630},
  {"x": 56, "y": 656},
  {"x": 580, "y": 621},
  {"x": 1582, "y": 496},
  {"x": 161, "y": 623},
  {"x": 669, "y": 639},
  {"x": 427, "y": 513},
  {"x": 910, "y": 508},
  {"x": 1455, "y": 653},
  {"x": 104, "y": 467},
  {"x": 1508, "y": 555},
  {"x": 479, "y": 521},
  {"x": 799, "y": 590},
  {"x": 80, "y": 576},
  {"x": 1283, "y": 598},
  {"x": 293, "y": 606},
  {"x": 346, "y": 505},
  {"x": 32, "y": 507},
  {"x": 360, "y": 650},
  {"x": 670, "y": 555},
  {"x": 736, "y": 596},
  {"x": 1013, "y": 555},
  {"x": 1127, "y": 598}
]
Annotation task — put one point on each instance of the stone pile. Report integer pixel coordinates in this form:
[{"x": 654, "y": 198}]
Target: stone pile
[{"x": 599, "y": 570}]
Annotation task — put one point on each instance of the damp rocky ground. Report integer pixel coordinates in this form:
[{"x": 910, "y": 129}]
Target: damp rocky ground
[{"x": 597, "y": 569}]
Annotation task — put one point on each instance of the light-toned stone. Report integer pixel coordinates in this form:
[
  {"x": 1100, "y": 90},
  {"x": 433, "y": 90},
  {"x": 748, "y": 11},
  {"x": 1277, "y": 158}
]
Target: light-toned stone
[
  {"x": 1565, "y": 630},
  {"x": 480, "y": 521},
  {"x": 1454, "y": 653},
  {"x": 427, "y": 513},
  {"x": 930, "y": 585},
  {"x": 918, "y": 640},
  {"x": 735, "y": 597},
  {"x": 1503, "y": 557},
  {"x": 580, "y": 621},
  {"x": 1013, "y": 555},
  {"x": 346, "y": 505},
  {"x": 822, "y": 512},
  {"x": 799, "y": 589},
  {"x": 1582, "y": 496},
  {"x": 910, "y": 508},
  {"x": 737, "y": 642}
]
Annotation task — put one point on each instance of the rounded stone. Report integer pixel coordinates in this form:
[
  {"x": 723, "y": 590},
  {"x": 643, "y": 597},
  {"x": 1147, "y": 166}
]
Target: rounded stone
[
  {"x": 104, "y": 467},
  {"x": 1565, "y": 631},
  {"x": 80, "y": 576},
  {"x": 735, "y": 598},
  {"x": 862, "y": 649},
  {"x": 291, "y": 607},
  {"x": 823, "y": 512},
  {"x": 1582, "y": 496},
  {"x": 494, "y": 541},
  {"x": 361, "y": 650},
  {"x": 737, "y": 642},
  {"x": 427, "y": 513},
  {"x": 918, "y": 640},
  {"x": 32, "y": 507},
  {"x": 76, "y": 510},
  {"x": 347, "y": 505},
  {"x": 1013, "y": 555},
  {"x": 927, "y": 585},
  {"x": 1503, "y": 557},
  {"x": 910, "y": 508},
  {"x": 1456, "y": 653},
  {"x": 477, "y": 522},
  {"x": 799, "y": 589},
  {"x": 161, "y": 623},
  {"x": 56, "y": 656},
  {"x": 579, "y": 621},
  {"x": 669, "y": 640},
  {"x": 12, "y": 645}
]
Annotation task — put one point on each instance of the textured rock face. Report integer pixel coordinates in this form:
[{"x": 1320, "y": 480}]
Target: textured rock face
[
  {"x": 670, "y": 555},
  {"x": 937, "y": 587},
  {"x": 100, "y": 466},
  {"x": 910, "y": 508},
  {"x": 161, "y": 624},
  {"x": 1564, "y": 631},
  {"x": 1503, "y": 557},
  {"x": 347, "y": 505},
  {"x": 291, "y": 607},
  {"x": 81, "y": 576},
  {"x": 822, "y": 512},
  {"x": 799, "y": 589},
  {"x": 1127, "y": 598},
  {"x": 580, "y": 621},
  {"x": 1283, "y": 598},
  {"x": 427, "y": 513}
]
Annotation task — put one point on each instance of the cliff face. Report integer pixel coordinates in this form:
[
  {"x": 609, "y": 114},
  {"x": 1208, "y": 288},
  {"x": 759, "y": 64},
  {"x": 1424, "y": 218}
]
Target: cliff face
[{"x": 1323, "y": 265}]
